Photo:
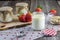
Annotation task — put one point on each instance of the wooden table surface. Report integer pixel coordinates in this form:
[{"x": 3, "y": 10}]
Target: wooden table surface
[{"x": 57, "y": 37}]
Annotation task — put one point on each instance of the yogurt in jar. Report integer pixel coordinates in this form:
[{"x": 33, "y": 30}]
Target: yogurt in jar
[{"x": 38, "y": 21}]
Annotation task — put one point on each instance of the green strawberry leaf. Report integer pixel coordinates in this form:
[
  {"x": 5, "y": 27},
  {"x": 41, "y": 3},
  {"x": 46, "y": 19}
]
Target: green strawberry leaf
[{"x": 39, "y": 6}]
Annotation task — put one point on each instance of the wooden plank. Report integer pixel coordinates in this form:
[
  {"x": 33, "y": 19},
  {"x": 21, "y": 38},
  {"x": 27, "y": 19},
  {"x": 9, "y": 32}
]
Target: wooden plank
[{"x": 12, "y": 25}]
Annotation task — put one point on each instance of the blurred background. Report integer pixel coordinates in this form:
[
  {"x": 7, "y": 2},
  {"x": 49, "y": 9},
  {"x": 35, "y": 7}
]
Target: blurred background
[{"x": 46, "y": 4}]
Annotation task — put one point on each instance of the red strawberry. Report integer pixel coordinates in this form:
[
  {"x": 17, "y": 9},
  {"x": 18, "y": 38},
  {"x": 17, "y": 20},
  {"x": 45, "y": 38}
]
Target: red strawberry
[
  {"x": 28, "y": 17},
  {"x": 38, "y": 10},
  {"x": 22, "y": 18},
  {"x": 53, "y": 11}
]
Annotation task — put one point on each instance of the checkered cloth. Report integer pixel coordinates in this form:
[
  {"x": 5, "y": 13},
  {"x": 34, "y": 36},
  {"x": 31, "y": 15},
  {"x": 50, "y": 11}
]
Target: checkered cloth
[{"x": 49, "y": 32}]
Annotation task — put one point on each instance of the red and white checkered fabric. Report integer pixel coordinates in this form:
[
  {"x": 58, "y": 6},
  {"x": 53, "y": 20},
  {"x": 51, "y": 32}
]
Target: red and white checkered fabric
[{"x": 50, "y": 32}]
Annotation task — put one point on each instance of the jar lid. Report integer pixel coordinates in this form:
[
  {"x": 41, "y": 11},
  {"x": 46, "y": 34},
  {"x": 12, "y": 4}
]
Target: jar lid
[
  {"x": 22, "y": 4},
  {"x": 6, "y": 8}
]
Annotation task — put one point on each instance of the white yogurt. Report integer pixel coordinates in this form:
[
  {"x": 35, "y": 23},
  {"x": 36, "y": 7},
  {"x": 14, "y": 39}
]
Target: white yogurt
[{"x": 38, "y": 21}]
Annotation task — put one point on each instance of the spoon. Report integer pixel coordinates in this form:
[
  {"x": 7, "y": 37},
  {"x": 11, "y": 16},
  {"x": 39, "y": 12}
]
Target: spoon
[{"x": 21, "y": 34}]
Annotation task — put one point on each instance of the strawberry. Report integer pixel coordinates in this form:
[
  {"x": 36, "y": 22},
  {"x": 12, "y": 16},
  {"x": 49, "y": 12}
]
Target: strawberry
[
  {"x": 53, "y": 11},
  {"x": 22, "y": 18},
  {"x": 28, "y": 17},
  {"x": 38, "y": 10}
]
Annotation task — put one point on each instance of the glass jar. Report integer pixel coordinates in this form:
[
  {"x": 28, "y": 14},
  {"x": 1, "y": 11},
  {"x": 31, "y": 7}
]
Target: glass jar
[
  {"x": 21, "y": 8},
  {"x": 6, "y": 14},
  {"x": 38, "y": 21}
]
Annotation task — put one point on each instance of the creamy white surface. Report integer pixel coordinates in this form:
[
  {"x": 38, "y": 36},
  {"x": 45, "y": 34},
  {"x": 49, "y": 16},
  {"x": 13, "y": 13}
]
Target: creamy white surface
[{"x": 38, "y": 22}]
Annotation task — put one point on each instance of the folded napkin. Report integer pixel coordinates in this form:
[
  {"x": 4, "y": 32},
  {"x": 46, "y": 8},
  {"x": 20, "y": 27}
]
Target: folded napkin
[{"x": 49, "y": 32}]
